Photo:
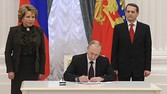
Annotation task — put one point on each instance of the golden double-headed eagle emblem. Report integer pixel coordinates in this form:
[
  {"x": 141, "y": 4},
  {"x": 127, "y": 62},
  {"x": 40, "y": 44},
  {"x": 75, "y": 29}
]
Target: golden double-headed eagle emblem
[{"x": 110, "y": 8}]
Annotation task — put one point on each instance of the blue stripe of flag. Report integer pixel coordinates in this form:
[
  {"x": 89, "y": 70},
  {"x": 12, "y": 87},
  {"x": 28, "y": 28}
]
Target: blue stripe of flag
[
  {"x": 41, "y": 6},
  {"x": 120, "y": 10}
]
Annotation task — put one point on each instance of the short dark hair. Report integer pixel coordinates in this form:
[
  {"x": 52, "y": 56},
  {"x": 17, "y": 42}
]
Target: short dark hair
[
  {"x": 134, "y": 5},
  {"x": 96, "y": 43}
]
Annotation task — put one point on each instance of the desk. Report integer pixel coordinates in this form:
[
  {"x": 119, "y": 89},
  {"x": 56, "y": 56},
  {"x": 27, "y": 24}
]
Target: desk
[{"x": 52, "y": 87}]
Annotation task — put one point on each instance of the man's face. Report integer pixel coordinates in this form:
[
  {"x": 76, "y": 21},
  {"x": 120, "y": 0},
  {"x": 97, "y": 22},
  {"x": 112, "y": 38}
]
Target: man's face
[
  {"x": 131, "y": 13},
  {"x": 93, "y": 51}
]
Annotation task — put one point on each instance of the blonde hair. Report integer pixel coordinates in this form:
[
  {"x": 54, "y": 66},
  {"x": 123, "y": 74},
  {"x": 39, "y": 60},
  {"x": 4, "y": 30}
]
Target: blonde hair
[{"x": 25, "y": 8}]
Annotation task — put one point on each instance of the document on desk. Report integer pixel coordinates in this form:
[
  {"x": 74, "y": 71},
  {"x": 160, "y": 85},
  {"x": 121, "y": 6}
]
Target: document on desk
[
  {"x": 89, "y": 83},
  {"x": 53, "y": 83}
]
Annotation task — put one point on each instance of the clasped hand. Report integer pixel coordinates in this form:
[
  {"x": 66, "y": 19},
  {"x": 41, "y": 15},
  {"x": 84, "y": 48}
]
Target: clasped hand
[{"x": 84, "y": 78}]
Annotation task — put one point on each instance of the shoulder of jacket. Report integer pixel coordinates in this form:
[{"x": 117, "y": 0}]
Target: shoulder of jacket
[
  {"x": 141, "y": 23},
  {"x": 121, "y": 24},
  {"x": 15, "y": 27},
  {"x": 80, "y": 55},
  {"x": 102, "y": 57},
  {"x": 37, "y": 27}
]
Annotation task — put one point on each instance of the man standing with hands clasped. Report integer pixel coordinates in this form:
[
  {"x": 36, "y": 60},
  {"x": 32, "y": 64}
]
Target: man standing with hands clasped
[
  {"x": 90, "y": 66},
  {"x": 131, "y": 51}
]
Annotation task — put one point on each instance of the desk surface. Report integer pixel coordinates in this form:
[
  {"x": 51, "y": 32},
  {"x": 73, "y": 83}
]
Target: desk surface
[{"x": 116, "y": 85}]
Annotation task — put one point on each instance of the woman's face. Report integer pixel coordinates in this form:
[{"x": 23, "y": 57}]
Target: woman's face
[{"x": 29, "y": 19}]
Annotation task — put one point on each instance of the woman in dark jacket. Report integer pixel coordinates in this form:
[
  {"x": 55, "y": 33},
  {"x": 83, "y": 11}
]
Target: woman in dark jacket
[{"x": 25, "y": 50}]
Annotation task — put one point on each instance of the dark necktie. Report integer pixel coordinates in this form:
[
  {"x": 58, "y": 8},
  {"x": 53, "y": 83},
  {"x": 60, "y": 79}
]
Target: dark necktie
[
  {"x": 91, "y": 70},
  {"x": 131, "y": 33}
]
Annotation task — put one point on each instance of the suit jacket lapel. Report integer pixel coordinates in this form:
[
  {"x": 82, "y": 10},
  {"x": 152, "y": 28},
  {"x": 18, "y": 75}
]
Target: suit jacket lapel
[
  {"x": 137, "y": 31},
  {"x": 85, "y": 64},
  {"x": 97, "y": 68},
  {"x": 125, "y": 27}
]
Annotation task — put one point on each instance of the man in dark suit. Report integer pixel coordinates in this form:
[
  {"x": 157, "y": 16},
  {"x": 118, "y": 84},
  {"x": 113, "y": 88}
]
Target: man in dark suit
[
  {"x": 79, "y": 68},
  {"x": 131, "y": 52}
]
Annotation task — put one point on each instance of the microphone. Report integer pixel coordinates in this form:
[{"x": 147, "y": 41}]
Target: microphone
[{"x": 62, "y": 82}]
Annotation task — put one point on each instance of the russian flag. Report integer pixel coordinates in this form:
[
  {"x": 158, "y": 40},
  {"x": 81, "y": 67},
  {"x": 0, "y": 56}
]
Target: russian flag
[
  {"x": 42, "y": 21},
  {"x": 107, "y": 14}
]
